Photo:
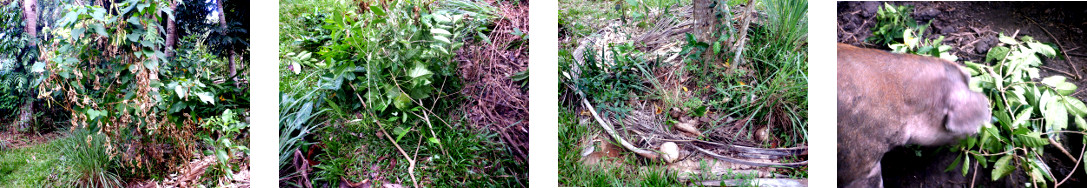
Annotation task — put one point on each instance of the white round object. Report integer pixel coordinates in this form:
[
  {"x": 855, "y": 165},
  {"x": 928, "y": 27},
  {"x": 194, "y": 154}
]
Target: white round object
[{"x": 670, "y": 151}]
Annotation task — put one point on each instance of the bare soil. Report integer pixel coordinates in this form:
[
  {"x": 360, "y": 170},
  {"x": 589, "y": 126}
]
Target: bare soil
[
  {"x": 22, "y": 140},
  {"x": 971, "y": 29}
]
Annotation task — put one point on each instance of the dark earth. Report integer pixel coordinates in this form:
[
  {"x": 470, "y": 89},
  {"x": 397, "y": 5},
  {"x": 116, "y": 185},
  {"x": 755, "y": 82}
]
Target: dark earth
[{"x": 971, "y": 29}]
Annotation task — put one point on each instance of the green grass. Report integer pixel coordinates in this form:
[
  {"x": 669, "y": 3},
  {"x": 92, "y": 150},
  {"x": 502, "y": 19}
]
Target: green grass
[
  {"x": 68, "y": 161},
  {"x": 30, "y": 166},
  {"x": 464, "y": 157}
]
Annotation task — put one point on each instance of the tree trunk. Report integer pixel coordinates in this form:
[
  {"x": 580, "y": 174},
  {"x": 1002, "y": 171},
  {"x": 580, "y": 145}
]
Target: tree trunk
[
  {"x": 171, "y": 33},
  {"x": 30, "y": 16},
  {"x": 706, "y": 24},
  {"x": 223, "y": 27}
]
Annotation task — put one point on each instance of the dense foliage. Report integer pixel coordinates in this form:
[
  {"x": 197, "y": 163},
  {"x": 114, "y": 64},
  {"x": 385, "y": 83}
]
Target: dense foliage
[
  {"x": 1031, "y": 111},
  {"x": 386, "y": 68},
  {"x": 15, "y": 54},
  {"x": 134, "y": 112}
]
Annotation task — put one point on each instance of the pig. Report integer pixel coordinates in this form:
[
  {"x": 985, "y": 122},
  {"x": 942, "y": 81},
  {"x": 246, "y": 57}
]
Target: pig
[{"x": 887, "y": 100}]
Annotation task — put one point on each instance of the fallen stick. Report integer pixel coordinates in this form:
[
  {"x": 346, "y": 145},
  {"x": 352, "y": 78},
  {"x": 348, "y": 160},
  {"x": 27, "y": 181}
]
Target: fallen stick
[
  {"x": 761, "y": 182},
  {"x": 746, "y": 149},
  {"x": 1073, "y": 168},
  {"x": 411, "y": 162},
  {"x": 750, "y": 163},
  {"x": 614, "y": 135}
]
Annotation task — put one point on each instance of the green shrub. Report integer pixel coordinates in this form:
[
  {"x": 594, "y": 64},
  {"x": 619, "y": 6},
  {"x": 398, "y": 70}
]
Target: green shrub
[
  {"x": 891, "y": 21},
  {"x": 1029, "y": 111},
  {"x": 223, "y": 141},
  {"x": 393, "y": 56}
]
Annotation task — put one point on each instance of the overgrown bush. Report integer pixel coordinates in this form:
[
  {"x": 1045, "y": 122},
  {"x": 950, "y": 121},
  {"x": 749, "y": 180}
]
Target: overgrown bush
[{"x": 108, "y": 67}]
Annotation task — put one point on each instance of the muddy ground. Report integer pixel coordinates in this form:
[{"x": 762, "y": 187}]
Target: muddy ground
[{"x": 971, "y": 29}]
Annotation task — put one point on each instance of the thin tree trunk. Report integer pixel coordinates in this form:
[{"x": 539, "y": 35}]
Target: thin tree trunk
[
  {"x": 30, "y": 16},
  {"x": 223, "y": 27},
  {"x": 171, "y": 33}
]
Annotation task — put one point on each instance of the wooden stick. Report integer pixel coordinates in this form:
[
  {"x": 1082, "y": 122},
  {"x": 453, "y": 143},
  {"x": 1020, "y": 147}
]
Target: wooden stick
[
  {"x": 411, "y": 162},
  {"x": 751, "y": 163},
  {"x": 1060, "y": 147},
  {"x": 1060, "y": 71},
  {"x": 743, "y": 36},
  {"x": 1073, "y": 168},
  {"x": 614, "y": 135}
]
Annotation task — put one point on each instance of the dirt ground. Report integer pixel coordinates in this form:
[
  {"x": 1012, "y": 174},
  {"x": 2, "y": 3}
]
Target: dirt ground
[
  {"x": 971, "y": 29},
  {"x": 22, "y": 140}
]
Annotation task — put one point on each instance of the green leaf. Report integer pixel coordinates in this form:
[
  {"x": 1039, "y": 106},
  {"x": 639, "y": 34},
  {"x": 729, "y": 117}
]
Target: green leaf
[
  {"x": 965, "y": 164},
  {"x": 100, "y": 30},
  {"x": 134, "y": 21},
  {"x": 1080, "y": 122},
  {"x": 1022, "y": 118},
  {"x": 180, "y": 91},
  {"x": 206, "y": 97},
  {"x": 38, "y": 67},
  {"x": 1032, "y": 139},
  {"x": 1042, "y": 49},
  {"x": 377, "y": 10},
  {"x": 400, "y": 132},
  {"x": 954, "y": 164},
  {"x": 1007, "y": 40},
  {"x": 1056, "y": 116},
  {"x": 1002, "y": 167},
  {"x": 133, "y": 37},
  {"x": 433, "y": 140},
  {"x": 442, "y": 39},
  {"x": 997, "y": 53},
  {"x": 98, "y": 14},
  {"x": 439, "y": 31},
  {"x": 77, "y": 32},
  {"x": 223, "y": 156},
  {"x": 402, "y": 101},
  {"x": 1058, "y": 83},
  {"x": 700, "y": 111},
  {"x": 151, "y": 65},
  {"x": 419, "y": 70},
  {"x": 147, "y": 43},
  {"x": 1075, "y": 106},
  {"x": 68, "y": 18}
]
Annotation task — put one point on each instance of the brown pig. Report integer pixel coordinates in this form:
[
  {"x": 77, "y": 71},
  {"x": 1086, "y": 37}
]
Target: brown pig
[{"x": 887, "y": 100}]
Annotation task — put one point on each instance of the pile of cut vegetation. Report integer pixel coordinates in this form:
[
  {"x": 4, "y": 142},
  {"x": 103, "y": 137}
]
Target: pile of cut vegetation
[
  {"x": 656, "y": 83},
  {"x": 496, "y": 75}
]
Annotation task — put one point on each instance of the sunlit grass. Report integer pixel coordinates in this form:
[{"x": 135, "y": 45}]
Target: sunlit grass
[{"x": 30, "y": 166}]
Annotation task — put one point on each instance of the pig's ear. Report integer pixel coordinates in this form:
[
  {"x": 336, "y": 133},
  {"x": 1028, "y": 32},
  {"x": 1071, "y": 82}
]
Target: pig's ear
[{"x": 965, "y": 111}]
